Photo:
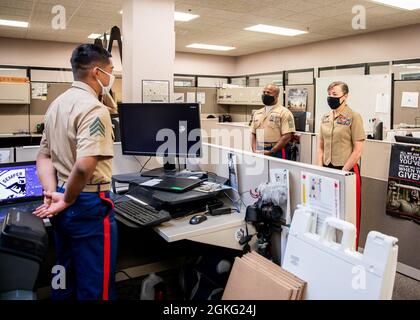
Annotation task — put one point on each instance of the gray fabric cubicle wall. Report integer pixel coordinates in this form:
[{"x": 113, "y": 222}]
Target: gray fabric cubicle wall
[
  {"x": 210, "y": 106},
  {"x": 39, "y": 107},
  {"x": 374, "y": 171},
  {"x": 17, "y": 118},
  {"x": 14, "y": 118}
]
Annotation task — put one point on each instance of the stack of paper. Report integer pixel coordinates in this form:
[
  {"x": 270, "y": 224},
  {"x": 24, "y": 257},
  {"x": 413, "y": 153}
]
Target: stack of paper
[{"x": 254, "y": 277}]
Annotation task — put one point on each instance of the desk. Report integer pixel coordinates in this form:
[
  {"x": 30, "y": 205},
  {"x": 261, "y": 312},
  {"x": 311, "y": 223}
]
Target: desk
[
  {"x": 216, "y": 230},
  {"x": 15, "y": 140}
]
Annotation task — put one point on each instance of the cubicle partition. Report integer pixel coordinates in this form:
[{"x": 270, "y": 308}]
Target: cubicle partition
[
  {"x": 193, "y": 94},
  {"x": 254, "y": 169},
  {"x": 39, "y": 107},
  {"x": 375, "y": 170},
  {"x": 27, "y": 153},
  {"x": 237, "y": 135},
  {"x": 402, "y": 112},
  {"x": 7, "y": 155},
  {"x": 120, "y": 163}
]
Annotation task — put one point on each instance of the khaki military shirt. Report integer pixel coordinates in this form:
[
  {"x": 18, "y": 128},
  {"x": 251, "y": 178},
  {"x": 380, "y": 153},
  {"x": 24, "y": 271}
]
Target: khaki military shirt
[
  {"x": 78, "y": 125},
  {"x": 270, "y": 126},
  {"x": 340, "y": 132}
]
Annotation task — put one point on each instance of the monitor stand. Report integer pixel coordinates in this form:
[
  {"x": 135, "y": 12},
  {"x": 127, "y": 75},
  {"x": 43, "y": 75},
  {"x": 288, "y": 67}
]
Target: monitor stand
[{"x": 169, "y": 168}]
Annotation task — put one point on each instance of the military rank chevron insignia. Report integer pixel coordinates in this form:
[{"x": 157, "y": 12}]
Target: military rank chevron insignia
[{"x": 97, "y": 128}]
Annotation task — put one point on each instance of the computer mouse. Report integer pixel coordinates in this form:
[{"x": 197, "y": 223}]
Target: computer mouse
[{"x": 198, "y": 219}]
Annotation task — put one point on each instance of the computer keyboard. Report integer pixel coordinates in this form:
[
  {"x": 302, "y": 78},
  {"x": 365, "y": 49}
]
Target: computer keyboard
[{"x": 141, "y": 214}]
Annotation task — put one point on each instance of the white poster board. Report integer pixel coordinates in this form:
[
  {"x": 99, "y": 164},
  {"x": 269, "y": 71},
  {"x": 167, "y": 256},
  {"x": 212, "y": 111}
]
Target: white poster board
[
  {"x": 39, "y": 90},
  {"x": 410, "y": 100},
  {"x": 368, "y": 94},
  {"x": 321, "y": 194},
  {"x": 155, "y": 91},
  {"x": 201, "y": 97},
  {"x": 191, "y": 97}
]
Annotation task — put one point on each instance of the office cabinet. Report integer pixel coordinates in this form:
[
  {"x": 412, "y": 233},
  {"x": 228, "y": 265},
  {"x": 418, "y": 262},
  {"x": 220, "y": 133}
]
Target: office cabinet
[
  {"x": 240, "y": 96},
  {"x": 14, "y": 93}
]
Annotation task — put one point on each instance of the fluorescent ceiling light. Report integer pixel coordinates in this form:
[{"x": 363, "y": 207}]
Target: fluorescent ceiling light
[
  {"x": 14, "y": 23},
  {"x": 181, "y": 16},
  {"x": 275, "y": 30},
  {"x": 402, "y": 4},
  {"x": 97, "y": 35},
  {"x": 184, "y": 17},
  {"x": 209, "y": 47}
]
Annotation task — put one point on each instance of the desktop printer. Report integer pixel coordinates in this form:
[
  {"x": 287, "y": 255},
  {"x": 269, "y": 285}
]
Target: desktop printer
[
  {"x": 177, "y": 204},
  {"x": 23, "y": 246}
]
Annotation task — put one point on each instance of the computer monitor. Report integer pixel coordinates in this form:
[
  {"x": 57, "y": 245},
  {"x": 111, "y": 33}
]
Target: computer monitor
[
  {"x": 405, "y": 139},
  {"x": 19, "y": 182},
  {"x": 166, "y": 130},
  {"x": 300, "y": 120}
]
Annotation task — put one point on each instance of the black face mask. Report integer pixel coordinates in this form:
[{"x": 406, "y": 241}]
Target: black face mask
[
  {"x": 334, "y": 102},
  {"x": 268, "y": 100}
]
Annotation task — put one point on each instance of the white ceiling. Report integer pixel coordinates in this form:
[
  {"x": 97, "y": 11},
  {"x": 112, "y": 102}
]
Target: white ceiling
[{"x": 221, "y": 22}]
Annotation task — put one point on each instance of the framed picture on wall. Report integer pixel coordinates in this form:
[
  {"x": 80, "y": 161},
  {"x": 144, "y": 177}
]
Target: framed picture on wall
[
  {"x": 155, "y": 91},
  {"x": 297, "y": 99}
]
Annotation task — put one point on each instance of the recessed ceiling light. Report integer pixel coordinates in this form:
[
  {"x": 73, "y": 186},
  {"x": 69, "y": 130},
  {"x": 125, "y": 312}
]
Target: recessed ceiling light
[
  {"x": 402, "y": 4},
  {"x": 275, "y": 30},
  {"x": 121, "y": 12},
  {"x": 14, "y": 23},
  {"x": 97, "y": 35},
  {"x": 184, "y": 17},
  {"x": 209, "y": 47}
]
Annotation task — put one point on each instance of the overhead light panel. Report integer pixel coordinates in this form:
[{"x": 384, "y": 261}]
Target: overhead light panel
[
  {"x": 275, "y": 30},
  {"x": 209, "y": 47},
  {"x": 14, "y": 23},
  {"x": 97, "y": 35},
  {"x": 184, "y": 17},
  {"x": 181, "y": 16},
  {"x": 401, "y": 4}
]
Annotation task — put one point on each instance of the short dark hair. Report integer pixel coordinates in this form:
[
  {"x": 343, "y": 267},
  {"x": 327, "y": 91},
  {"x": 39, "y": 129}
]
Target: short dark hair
[{"x": 84, "y": 56}]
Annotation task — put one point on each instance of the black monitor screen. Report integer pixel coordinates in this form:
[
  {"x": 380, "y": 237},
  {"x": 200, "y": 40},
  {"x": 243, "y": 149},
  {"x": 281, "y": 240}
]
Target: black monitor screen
[
  {"x": 300, "y": 120},
  {"x": 160, "y": 129},
  {"x": 406, "y": 139}
]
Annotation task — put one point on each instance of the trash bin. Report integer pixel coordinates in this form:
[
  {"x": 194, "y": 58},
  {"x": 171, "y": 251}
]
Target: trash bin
[{"x": 23, "y": 247}]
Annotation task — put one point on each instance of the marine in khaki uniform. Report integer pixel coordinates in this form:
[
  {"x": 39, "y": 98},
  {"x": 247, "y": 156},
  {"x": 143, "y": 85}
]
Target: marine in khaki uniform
[
  {"x": 74, "y": 166},
  {"x": 273, "y": 126},
  {"x": 341, "y": 138},
  {"x": 341, "y": 135}
]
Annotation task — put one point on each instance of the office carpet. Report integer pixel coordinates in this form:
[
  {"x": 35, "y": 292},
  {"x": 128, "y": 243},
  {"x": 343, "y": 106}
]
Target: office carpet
[{"x": 406, "y": 288}]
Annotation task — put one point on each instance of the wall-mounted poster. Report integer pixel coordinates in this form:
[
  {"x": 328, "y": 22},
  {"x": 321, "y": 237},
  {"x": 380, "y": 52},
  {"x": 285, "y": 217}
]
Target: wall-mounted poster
[
  {"x": 403, "y": 198},
  {"x": 155, "y": 91},
  {"x": 297, "y": 99}
]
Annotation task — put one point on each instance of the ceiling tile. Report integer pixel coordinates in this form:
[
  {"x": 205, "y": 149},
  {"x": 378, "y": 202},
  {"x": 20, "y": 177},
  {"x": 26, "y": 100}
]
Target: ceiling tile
[{"x": 220, "y": 21}]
